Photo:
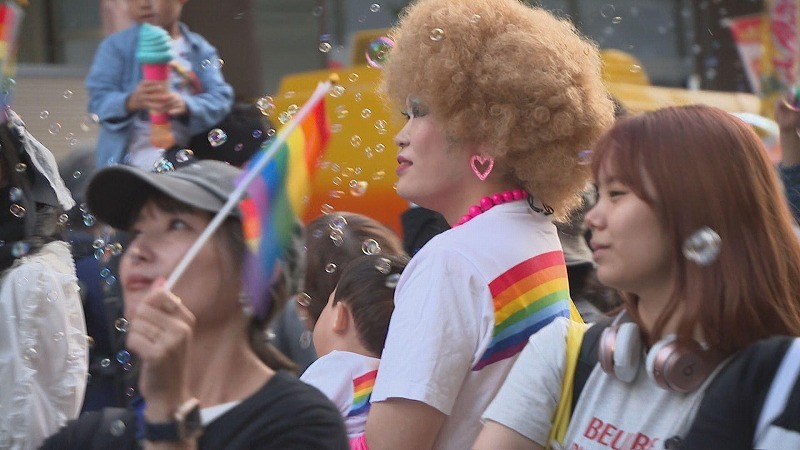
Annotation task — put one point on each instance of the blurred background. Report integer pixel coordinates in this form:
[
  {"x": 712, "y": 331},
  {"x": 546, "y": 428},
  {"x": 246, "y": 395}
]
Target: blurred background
[{"x": 658, "y": 52}]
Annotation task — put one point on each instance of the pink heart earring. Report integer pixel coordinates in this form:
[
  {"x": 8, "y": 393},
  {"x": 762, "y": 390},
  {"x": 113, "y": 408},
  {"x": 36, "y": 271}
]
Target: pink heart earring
[{"x": 482, "y": 166}]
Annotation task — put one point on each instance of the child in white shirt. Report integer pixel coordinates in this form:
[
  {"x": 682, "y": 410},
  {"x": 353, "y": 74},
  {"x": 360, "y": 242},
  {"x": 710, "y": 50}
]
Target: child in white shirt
[{"x": 350, "y": 333}]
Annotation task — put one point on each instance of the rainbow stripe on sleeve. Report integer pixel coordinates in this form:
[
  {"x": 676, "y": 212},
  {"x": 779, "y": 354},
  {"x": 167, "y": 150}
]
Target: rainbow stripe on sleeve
[
  {"x": 362, "y": 391},
  {"x": 526, "y": 298}
]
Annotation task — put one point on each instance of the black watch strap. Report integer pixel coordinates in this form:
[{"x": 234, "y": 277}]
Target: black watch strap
[
  {"x": 187, "y": 424},
  {"x": 162, "y": 431}
]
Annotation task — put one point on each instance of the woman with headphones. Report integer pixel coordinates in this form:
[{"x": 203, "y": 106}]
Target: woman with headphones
[{"x": 691, "y": 225}]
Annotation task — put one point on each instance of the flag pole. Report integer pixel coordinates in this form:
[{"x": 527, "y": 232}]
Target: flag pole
[{"x": 233, "y": 199}]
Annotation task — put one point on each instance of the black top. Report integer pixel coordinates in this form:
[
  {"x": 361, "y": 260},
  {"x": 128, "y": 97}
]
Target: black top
[
  {"x": 729, "y": 413},
  {"x": 284, "y": 414}
]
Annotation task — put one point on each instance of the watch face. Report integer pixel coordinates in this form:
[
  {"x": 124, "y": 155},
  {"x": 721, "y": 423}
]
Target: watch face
[
  {"x": 188, "y": 419},
  {"x": 187, "y": 425}
]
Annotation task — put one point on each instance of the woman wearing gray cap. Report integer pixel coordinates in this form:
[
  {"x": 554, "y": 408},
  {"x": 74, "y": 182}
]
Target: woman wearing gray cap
[{"x": 202, "y": 382}]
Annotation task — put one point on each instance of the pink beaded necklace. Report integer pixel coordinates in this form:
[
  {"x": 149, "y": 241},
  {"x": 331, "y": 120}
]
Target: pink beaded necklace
[{"x": 489, "y": 202}]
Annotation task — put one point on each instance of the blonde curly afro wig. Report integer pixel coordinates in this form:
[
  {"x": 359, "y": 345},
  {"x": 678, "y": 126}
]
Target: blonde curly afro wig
[{"x": 507, "y": 75}]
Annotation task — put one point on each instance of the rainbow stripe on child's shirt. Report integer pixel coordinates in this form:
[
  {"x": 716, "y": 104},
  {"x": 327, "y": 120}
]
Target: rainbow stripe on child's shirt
[
  {"x": 362, "y": 391},
  {"x": 526, "y": 298}
]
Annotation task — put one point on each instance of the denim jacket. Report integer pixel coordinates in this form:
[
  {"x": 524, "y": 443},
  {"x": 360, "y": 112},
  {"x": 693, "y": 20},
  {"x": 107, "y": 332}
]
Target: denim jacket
[{"x": 116, "y": 72}]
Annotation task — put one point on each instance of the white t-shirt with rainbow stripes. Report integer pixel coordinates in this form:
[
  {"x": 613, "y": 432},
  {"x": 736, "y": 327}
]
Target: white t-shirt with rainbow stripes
[
  {"x": 464, "y": 309},
  {"x": 347, "y": 379}
]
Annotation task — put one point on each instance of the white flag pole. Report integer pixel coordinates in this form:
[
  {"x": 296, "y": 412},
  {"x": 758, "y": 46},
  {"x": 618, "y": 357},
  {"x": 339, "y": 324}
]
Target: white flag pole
[{"x": 233, "y": 199}]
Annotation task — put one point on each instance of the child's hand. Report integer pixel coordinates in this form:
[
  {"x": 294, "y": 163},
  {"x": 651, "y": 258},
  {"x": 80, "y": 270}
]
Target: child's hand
[
  {"x": 174, "y": 105},
  {"x": 149, "y": 94}
]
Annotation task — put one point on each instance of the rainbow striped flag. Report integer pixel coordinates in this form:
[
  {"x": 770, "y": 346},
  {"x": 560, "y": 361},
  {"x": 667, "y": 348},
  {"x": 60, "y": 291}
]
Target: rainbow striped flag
[
  {"x": 10, "y": 19},
  {"x": 276, "y": 201},
  {"x": 527, "y": 297},
  {"x": 362, "y": 391}
]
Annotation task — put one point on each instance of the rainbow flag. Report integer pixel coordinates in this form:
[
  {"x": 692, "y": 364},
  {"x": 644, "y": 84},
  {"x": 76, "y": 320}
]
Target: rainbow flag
[
  {"x": 526, "y": 298},
  {"x": 10, "y": 18},
  {"x": 276, "y": 201},
  {"x": 362, "y": 391}
]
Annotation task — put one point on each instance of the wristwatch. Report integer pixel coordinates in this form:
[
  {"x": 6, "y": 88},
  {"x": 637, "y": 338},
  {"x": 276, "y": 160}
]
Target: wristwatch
[{"x": 187, "y": 424}]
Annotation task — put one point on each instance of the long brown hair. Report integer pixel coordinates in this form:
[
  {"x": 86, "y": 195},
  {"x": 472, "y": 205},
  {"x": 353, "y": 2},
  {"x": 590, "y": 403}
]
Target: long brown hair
[{"x": 709, "y": 169}]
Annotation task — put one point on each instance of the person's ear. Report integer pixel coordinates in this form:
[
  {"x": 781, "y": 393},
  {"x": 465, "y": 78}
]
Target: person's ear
[{"x": 343, "y": 319}]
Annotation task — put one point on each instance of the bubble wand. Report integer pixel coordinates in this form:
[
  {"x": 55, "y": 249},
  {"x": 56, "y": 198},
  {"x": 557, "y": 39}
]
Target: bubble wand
[
  {"x": 154, "y": 54},
  {"x": 247, "y": 179}
]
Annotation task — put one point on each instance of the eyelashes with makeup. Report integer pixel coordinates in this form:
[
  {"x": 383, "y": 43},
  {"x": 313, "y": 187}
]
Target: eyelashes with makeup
[{"x": 414, "y": 112}]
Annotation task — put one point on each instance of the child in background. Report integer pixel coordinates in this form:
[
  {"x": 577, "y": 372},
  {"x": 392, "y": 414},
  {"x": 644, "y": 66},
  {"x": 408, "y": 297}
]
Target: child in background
[
  {"x": 350, "y": 333},
  {"x": 198, "y": 99}
]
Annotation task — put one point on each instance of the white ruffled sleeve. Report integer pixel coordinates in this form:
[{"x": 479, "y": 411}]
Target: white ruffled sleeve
[{"x": 43, "y": 348}]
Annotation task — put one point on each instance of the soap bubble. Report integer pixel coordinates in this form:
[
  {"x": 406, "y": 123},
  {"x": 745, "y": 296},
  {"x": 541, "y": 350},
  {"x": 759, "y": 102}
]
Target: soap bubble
[
  {"x": 123, "y": 356},
  {"x": 375, "y": 7},
  {"x": 378, "y": 50},
  {"x": 337, "y": 223},
  {"x": 17, "y": 210},
  {"x": 14, "y": 194},
  {"x": 121, "y": 325},
  {"x": 607, "y": 11},
  {"x": 370, "y": 247},
  {"x": 341, "y": 111},
  {"x": 266, "y": 105},
  {"x": 383, "y": 266},
  {"x": 358, "y": 188},
  {"x": 330, "y": 268},
  {"x": 68, "y": 94},
  {"x": 183, "y": 155},
  {"x": 703, "y": 246},
  {"x": 19, "y": 249},
  {"x": 217, "y": 137},
  {"x": 585, "y": 157},
  {"x": 163, "y": 165},
  {"x": 337, "y": 91},
  {"x": 391, "y": 280},
  {"x": 437, "y": 34}
]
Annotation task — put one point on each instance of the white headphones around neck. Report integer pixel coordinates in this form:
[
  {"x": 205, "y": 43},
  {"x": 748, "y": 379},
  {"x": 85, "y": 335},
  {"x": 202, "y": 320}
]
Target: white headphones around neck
[{"x": 673, "y": 366}]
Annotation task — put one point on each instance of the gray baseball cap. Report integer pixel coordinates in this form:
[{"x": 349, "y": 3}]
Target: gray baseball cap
[{"x": 117, "y": 193}]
